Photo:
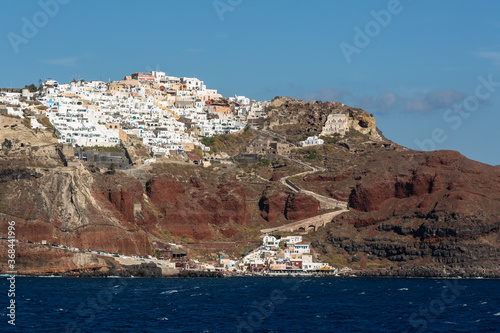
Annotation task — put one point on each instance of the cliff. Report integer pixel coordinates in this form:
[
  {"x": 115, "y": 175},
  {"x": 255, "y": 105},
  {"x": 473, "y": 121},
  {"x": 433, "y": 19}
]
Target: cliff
[
  {"x": 45, "y": 260},
  {"x": 296, "y": 119},
  {"x": 195, "y": 210},
  {"x": 414, "y": 209},
  {"x": 67, "y": 206},
  {"x": 411, "y": 211},
  {"x": 279, "y": 204}
]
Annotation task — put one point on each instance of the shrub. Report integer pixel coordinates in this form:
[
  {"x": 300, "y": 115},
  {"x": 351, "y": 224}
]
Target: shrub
[
  {"x": 312, "y": 155},
  {"x": 265, "y": 161}
]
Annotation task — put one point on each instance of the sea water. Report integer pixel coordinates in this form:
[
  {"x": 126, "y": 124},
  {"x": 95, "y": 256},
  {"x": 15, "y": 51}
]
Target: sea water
[{"x": 252, "y": 304}]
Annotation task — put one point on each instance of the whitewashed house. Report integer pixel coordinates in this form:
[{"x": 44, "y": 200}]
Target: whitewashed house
[{"x": 335, "y": 123}]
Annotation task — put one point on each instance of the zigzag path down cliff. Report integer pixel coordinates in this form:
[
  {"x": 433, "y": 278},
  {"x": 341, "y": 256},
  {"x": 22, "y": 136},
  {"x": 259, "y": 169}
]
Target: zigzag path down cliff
[
  {"x": 410, "y": 213},
  {"x": 315, "y": 222}
]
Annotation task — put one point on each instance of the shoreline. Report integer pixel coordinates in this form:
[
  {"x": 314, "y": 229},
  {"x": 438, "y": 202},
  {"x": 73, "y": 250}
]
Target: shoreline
[{"x": 403, "y": 274}]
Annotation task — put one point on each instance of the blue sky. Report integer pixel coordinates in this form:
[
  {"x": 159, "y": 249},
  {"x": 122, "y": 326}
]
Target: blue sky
[{"x": 421, "y": 69}]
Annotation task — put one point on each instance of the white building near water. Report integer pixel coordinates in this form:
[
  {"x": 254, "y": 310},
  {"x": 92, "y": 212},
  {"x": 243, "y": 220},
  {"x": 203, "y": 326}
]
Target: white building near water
[
  {"x": 291, "y": 239},
  {"x": 270, "y": 241}
]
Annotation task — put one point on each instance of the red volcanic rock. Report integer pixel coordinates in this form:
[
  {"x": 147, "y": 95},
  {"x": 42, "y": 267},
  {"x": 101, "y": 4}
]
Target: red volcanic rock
[
  {"x": 277, "y": 175},
  {"x": 420, "y": 209},
  {"x": 443, "y": 189},
  {"x": 273, "y": 204},
  {"x": 300, "y": 206},
  {"x": 276, "y": 203},
  {"x": 444, "y": 159},
  {"x": 327, "y": 178},
  {"x": 341, "y": 196},
  {"x": 441, "y": 179},
  {"x": 367, "y": 198},
  {"x": 122, "y": 195},
  {"x": 65, "y": 206},
  {"x": 164, "y": 188},
  {"x": 191, "y": 209}
]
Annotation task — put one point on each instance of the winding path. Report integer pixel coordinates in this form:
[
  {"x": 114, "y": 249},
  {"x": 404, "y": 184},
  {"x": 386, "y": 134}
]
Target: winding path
[{"x": 312, "y": 223}]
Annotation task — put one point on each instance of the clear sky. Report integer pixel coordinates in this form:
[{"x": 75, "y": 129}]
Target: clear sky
[{"x": 427, "y": 70}]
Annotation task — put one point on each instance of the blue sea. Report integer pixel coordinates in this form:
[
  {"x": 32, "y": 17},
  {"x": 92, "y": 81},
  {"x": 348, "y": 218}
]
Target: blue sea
[{"x": 252, "y": 304}]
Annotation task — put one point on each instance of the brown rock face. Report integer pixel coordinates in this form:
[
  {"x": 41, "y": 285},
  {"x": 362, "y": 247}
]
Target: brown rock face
[
  {"x": 196, "y": 210},
  {"x": 276, "y": 203},
  {"x": 121, "y": 194},
  {"x": 327, "y": 178},
  {"x": 422, "y": 209},
  {"x": 300, "y": 206},
  {"x": 277, "y": 175},
  {"x": 273, "y": 204},
  {"x": 73, "y": 207},
  {"x": 294, "y": 118},
  {"x": 76, "y": 207},
  {"x": 444, "y": 183}
]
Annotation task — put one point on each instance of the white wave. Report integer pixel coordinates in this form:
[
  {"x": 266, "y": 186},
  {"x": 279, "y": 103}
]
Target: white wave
[
  {"x": 169, "y": 292},
  {"x": 47, "y": 276},
  {"x": 401, "y": 289}
]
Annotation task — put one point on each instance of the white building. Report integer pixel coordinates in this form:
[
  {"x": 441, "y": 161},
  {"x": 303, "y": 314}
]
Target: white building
[
  {"x": 270, "y": 241},
  {"x": 335, "y": 123},
  {"x": 241, "y": 100},
  {"x": 312, "y": 141},
  {"x": 193, "y": 83},
  {"x": 291, "y": 239}
]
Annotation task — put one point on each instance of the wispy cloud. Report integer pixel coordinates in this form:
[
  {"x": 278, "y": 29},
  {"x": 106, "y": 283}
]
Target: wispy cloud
[
  {"x": 67, "y": 61},
  {"x": 490, "y": 55},
  {"x": 384, "y": 102},
  {"x": 433, "y": 100},
  {"x": 388, "y": 101}
]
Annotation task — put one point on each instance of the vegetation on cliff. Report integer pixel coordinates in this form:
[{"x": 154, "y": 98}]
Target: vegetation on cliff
[{"x": 408, "y": 208}]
